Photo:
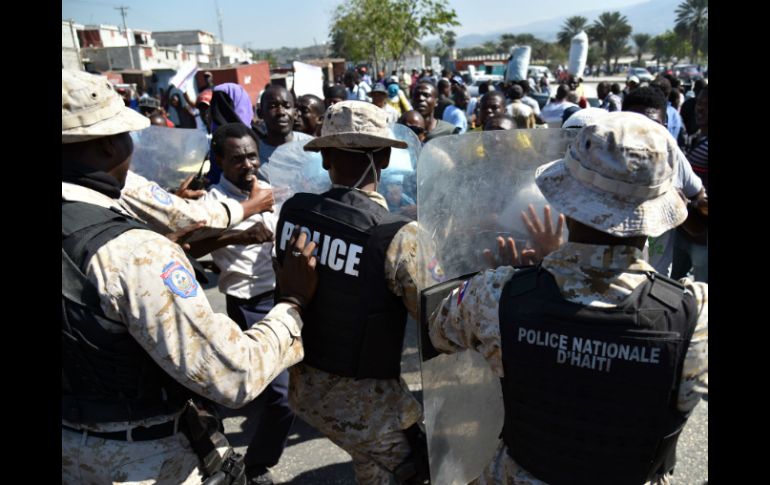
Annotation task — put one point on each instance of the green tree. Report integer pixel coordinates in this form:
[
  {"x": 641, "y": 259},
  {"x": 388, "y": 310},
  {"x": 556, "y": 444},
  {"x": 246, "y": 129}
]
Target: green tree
[
  {"x": 266, "y": 55},
  {"x": 611, "y": 30},
  {"x": 669, "y": 46},
  {"x": 692, "y": 18},
  {"x": 382, "y": 30},
  {"x": 594, "y": 56},
  {"x": 490, "y": 47},
  {"x": 643, "y": 44},
  {"x": 507, "y": 41},
  {"x": 551, "y": 53},
  {"x": 572, "y": 26}
]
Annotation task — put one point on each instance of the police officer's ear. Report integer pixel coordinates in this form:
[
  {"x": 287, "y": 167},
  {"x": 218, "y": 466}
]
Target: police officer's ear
[
  {"x": 116, "y": 147},
  {"x": 382, "y": 158}
]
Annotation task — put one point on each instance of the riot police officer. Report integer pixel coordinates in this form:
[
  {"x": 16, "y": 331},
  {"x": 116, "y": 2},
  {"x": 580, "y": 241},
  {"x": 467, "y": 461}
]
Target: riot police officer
[
  {"x": 139, "y": 337},
  {"x": 601, "y": 359},
  {"x": 349, "y": 385}
]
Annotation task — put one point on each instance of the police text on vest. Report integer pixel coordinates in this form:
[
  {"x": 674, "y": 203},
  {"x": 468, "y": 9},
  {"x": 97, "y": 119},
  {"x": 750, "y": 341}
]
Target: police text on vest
[
  {"x": 335, "y": 253},
  {"x": 588, "y": 353}
]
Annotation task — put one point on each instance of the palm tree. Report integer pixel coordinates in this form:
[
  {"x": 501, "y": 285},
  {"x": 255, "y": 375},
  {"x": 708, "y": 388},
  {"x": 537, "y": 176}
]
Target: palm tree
[
  {"x": 693, "y": 16},
  {"x": 642, "y": 42},
  {"x": 611, "y": 30},
  {"x": 572, "y": 26}
]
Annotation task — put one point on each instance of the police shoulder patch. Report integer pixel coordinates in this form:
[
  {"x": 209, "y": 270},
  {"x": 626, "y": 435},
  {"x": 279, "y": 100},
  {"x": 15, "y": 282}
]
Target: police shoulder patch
[
  {"x": 435, "y": 270},
  {"x": 160, "y": 195},
  {"x": 179, "y": 280}
]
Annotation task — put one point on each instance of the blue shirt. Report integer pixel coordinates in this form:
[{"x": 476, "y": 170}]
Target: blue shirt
[
  {"x": 456, "y": 116},
  {"x": 674, "y": 123}
]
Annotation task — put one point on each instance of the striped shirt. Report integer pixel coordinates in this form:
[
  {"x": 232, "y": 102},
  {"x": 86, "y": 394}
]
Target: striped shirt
[{"x": 699, "y": 159}]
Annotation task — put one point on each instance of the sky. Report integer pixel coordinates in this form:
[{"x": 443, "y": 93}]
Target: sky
[{"x": 269, "y": 24}]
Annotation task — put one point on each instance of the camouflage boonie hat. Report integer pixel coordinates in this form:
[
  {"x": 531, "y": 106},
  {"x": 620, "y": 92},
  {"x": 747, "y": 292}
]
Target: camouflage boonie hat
[
  {"x": 617, "y": 177},
  {"x": 355, "y": 125},
  {"x": 583, "y": 117},
  {"x": 91, "y": 108}
]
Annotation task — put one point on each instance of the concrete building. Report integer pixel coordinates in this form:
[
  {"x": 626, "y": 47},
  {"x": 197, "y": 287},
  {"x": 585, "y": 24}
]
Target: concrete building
[
  {"x": 103, "y": 35},
  {"x": 210, "y": 52}
]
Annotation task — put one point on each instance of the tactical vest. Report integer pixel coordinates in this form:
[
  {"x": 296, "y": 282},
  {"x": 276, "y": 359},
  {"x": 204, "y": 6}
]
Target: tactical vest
[
  {"x": 106, "y": 375},
  {"x": 355, "y": 325},
  {"x": 590, "y": 393}
]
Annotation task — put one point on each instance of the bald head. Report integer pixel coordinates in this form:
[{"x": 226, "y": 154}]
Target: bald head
[{"x": 414, "y": 120}]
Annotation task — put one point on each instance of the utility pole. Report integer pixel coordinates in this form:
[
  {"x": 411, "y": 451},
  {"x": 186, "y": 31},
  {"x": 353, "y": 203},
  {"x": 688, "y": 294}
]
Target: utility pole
[
  {"x": 219, "y": 22},
  {"x": 221, "y": 31},
  {"x": 125, "y": 32},
  {"x": 76, "y": 44}
]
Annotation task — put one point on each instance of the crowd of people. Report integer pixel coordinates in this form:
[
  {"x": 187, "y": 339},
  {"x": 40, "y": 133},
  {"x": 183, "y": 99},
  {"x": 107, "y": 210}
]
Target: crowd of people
[{"x": 318, "y": 295}]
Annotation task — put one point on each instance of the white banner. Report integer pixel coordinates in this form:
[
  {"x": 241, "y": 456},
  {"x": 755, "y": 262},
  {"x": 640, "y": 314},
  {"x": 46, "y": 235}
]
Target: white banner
[{"x": 308, "y": 79}]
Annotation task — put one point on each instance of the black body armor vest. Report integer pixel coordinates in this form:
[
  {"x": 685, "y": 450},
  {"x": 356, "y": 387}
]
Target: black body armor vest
[
  {"x": 355, "y": 325},
  {"x": 106, "y": 375},
  {"x": 590, "y": 393}
]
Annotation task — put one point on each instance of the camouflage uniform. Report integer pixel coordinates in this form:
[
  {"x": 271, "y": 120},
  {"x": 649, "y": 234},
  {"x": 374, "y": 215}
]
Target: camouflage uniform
[
  {"x": 146, "y": 282},
  {"x": 601, "y": 276},
  {"x": 165, "y": 212},
  {"x": 366, "y": 417}
]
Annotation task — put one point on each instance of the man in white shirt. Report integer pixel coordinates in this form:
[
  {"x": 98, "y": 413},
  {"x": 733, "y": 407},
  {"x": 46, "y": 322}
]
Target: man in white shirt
[
  {"x": 248, "y": 281},
  {"x": 552, "y": 112}
]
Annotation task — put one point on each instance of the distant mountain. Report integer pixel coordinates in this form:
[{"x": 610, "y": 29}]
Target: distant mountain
[{"x": 652, "y": 17}]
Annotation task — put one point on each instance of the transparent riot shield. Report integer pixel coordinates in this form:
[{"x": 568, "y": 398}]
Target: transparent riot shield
[
  {"x": 398, "y": 182},
  {"x": 471, "y": 189},
  {"x": 292, "y": 170},
  {"x": 168, "y": 155}
]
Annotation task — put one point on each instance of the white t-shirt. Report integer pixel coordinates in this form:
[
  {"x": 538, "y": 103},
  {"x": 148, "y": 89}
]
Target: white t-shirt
[{"x": 246, "y": 270}]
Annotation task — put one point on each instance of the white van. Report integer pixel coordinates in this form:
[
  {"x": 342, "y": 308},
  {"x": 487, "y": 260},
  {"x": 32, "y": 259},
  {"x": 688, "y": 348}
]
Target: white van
[{"x": 537, "y": 72}]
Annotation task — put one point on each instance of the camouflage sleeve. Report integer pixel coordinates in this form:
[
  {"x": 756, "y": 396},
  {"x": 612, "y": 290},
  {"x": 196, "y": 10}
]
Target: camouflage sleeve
[
  {"x": 468, "y": 318},
  {"x": 165, "y": 212},
  {"x": 694, "y": 381},
  {"x": 146, "y": 282},
  {"x": 401, "y": 268}
]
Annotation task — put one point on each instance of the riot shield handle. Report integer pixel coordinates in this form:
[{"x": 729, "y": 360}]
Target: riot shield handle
[{"x": 430, "y": 298}]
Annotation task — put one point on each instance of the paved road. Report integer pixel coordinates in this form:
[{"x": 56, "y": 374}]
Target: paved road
[{"x": 311, "y": 459}]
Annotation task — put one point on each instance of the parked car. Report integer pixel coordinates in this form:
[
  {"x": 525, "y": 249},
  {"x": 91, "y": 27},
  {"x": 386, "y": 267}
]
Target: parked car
[
  {"x": 538, "y": 71},
  {"x": 473, "y": 88},
  {"x": 642, "y": 73},
  {"x": 688, "y": 73}
]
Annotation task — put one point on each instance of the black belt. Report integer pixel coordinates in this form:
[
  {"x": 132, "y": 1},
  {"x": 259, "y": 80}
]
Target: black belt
[{"x": 139, "y": 433}]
